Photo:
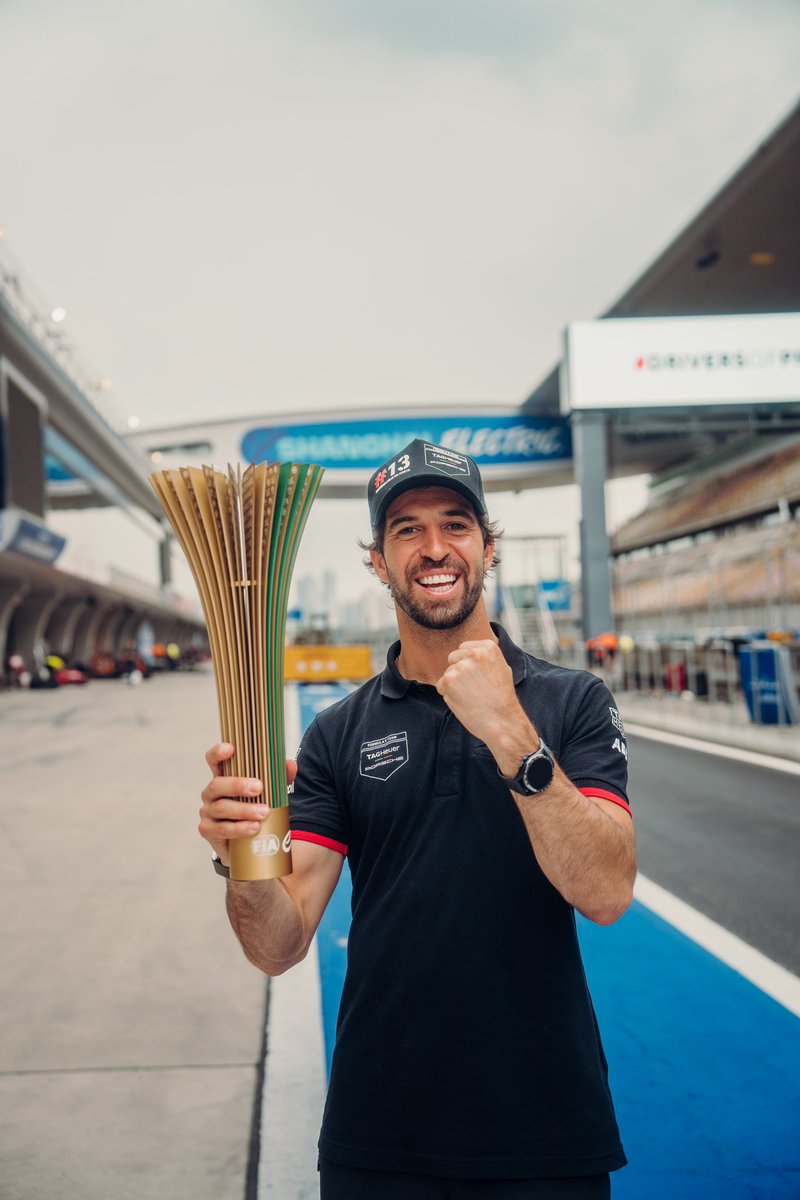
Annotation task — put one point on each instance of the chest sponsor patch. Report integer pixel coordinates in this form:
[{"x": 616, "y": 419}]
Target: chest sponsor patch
[{"x": 383, "y": 756}]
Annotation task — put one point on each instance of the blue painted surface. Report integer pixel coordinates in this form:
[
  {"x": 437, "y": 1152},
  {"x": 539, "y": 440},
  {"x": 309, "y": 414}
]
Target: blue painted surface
[
  {"x": 332, "y": 948},
  {"x": 335, "y": 923},
  {"x": 704, "y": 1067},
  {"x": 315, "y": 697}
]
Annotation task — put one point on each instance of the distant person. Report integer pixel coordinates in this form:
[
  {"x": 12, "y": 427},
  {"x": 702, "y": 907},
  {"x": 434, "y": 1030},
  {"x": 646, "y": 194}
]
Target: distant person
[{"x": 479, "y": 796}]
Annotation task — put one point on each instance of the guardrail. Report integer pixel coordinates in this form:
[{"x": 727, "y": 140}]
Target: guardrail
[
  {"x": 711, "y": 673},
  {"x": 708, "y": 673}
]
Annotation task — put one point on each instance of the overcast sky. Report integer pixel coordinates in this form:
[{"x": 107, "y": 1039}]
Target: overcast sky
[{"x": 255, "y": 207}]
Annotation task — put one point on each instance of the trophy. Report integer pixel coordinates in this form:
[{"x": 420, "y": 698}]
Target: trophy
[{"x": 240, "y": 532}]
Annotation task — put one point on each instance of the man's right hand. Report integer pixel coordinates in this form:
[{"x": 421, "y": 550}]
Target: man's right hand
[
  {"x": 276, "y": 919},
  {"x": 224, "y": 815}
]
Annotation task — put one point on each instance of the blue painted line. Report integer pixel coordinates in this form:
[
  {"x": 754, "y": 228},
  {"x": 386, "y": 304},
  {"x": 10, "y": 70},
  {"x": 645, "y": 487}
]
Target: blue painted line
[
  {"x": 335, "y": 923},
  {"x": 332, "y": 948},
  {"x": 704, "y": 1067}
]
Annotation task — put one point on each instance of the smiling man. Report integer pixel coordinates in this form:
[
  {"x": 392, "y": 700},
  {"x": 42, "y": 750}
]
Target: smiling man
[
  {"x": 480, "y": 796},
  {"x": 451, "y": 585}
]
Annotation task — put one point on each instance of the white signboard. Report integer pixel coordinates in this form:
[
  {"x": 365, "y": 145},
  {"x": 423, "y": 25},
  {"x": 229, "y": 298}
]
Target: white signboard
[{"x": 669, "y": 362}]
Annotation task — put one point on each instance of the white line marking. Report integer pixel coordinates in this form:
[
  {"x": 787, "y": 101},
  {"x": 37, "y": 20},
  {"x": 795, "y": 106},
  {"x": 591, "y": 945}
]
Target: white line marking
[
  {"x": 734, "y": 752},
  {"x": 294, "y": 1085},
  {"x": 767, "y": 975}
]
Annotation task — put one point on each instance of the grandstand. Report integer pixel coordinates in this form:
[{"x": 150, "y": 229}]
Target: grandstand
[{"x": 717, "y": 549}]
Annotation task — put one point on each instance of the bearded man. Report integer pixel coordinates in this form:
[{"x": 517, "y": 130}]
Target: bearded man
[{"x": 479, "y": 794}]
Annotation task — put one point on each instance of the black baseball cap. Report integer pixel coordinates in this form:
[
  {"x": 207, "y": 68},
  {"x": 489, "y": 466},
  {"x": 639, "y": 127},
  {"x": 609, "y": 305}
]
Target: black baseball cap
[{"x": 421, "y": 464}]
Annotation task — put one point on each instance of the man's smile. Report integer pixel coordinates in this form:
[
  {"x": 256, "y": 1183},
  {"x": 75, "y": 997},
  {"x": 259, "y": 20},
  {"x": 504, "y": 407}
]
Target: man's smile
[{"x": 439, "y": 584}]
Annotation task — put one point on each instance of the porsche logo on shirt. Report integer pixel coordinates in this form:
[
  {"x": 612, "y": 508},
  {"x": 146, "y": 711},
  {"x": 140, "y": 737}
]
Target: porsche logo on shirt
[{"x": 383, "y": 756}]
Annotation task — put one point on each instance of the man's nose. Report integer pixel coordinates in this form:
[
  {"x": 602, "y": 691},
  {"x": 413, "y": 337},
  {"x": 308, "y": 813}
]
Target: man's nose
[{"x": 434, "y": 545}]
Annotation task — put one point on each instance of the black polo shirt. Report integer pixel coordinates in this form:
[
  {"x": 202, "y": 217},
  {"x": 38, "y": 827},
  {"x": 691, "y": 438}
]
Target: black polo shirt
[{"x": 466, "y": 1042}]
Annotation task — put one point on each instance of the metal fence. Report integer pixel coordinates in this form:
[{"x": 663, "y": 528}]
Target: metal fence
[{"x": 709, "y": 673}]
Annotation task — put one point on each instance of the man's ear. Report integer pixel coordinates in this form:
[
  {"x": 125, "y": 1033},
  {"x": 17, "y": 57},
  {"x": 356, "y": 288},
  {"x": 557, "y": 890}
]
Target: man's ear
[
  {"x": 488, "y": 554},
  {"x": 379, "y": 565}
]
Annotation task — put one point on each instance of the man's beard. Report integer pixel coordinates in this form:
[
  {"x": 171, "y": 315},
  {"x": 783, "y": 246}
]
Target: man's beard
[{"x": 446, "y": 614}]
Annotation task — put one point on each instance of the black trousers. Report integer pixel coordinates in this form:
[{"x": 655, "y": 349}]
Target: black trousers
[{"x": 349, "y": 1183}]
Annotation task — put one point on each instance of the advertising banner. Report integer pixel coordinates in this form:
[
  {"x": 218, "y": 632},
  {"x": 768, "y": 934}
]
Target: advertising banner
[
  {"x": 25, "y": 534},
  {"x": 681, "y": 362},
  {"x": 557, "y": 594},
  {"x": 506, "y": 446}
]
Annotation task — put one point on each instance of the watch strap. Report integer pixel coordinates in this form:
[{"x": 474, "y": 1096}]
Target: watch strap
[
  {"x": 519, "y": 782},
  {"x": 219, "y": 867}
]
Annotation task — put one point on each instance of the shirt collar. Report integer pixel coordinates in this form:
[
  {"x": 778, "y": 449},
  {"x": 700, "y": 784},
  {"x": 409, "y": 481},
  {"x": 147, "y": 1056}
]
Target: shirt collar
[
  {"x": 394, "y": 685},
  {"x": 512, "y": 654}
]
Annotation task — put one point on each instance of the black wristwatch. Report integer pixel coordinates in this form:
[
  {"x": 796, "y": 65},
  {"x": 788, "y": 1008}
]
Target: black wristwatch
[{"x": 535, "y": 772}]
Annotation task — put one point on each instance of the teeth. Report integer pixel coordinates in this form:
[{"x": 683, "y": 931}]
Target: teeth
[{"x": 433, "y": 580}]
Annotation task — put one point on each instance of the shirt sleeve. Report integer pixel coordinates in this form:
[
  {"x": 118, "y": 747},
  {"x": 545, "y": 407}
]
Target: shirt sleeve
[
  {"x": 594, "y": 754},
  {"x": 315, "y": 814}
]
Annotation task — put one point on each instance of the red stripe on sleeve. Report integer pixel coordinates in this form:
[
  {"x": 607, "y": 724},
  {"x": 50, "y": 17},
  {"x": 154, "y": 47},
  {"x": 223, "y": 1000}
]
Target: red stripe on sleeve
[
  {"x": 599, "y": 794},
  {"x": 300, "y": 835}
]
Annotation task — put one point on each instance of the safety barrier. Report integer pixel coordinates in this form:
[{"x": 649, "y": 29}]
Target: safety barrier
[{"x": 710, "y": 673}]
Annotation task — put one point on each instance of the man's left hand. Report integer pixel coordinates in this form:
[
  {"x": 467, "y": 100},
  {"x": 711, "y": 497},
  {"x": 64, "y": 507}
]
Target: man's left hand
[{"x": 478, "y": 687}]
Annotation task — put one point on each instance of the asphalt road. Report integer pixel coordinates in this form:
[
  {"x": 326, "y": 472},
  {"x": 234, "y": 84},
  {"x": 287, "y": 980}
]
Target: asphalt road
[
  {"x": 722, "y": 836},
  {"x": 131, "y": 1034}
]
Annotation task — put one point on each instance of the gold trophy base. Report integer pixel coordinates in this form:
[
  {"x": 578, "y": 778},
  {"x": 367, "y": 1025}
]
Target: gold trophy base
[{"x": 267, "y": 855}]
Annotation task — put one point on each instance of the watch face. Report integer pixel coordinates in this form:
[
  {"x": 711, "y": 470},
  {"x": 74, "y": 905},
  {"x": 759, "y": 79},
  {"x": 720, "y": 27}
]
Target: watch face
[{"x": 538, "y": 773}]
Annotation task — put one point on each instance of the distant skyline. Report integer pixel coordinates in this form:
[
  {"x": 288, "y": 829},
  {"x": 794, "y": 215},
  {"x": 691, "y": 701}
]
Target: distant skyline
[{"x": 247, "y": 208}]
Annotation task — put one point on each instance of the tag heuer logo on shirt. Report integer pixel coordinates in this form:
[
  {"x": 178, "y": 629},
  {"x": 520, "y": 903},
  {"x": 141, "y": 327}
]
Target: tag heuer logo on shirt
[{"x": 382, "y": 757}]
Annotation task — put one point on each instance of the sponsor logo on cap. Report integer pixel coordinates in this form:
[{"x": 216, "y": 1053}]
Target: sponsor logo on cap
[
  {"x": 398, "y": 466},
  {"x": 446, "y": 461}
]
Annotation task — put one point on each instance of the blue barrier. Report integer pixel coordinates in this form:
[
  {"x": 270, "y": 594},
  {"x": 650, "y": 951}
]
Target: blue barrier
[{"x": 768, "y": 684}]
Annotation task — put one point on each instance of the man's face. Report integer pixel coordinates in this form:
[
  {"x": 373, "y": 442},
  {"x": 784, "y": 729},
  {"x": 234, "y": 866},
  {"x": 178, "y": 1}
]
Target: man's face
[{"x": 433, "y": 559}]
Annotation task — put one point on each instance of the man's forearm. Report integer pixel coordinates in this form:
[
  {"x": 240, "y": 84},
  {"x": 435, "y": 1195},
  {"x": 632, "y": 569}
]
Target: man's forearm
[
  {"x": 584, "y": 852},
  {"x": 267, "y": 923}
]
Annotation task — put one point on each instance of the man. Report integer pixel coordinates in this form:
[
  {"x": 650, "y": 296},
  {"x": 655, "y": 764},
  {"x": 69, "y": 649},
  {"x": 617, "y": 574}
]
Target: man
[{"x": 479, "y": 797}]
